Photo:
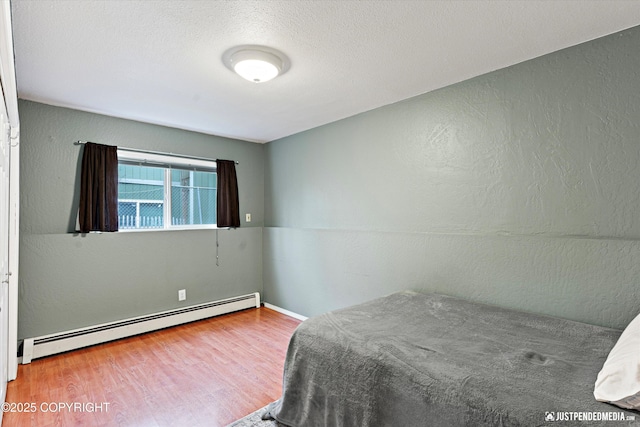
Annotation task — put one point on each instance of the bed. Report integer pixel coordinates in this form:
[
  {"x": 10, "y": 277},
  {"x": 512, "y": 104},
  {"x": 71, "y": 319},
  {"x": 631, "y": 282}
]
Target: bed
[{"x": 413, "y": 359}]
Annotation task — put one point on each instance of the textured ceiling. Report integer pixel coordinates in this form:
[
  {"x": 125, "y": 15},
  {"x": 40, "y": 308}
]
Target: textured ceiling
[{"x": 160, "y": 61}]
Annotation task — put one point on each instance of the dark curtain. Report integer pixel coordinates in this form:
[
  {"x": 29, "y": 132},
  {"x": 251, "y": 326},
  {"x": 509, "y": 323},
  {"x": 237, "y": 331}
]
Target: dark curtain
[
  {"x": 99, "y": 188},
  {"x": 228, "y": 210}
]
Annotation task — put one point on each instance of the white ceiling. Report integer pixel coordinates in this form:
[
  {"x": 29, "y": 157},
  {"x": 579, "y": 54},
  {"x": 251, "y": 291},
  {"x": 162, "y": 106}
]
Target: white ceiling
[{"x": 160, "y": 61}]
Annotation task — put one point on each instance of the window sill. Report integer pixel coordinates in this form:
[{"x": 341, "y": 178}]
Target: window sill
[{"x": 146, "y": 230}]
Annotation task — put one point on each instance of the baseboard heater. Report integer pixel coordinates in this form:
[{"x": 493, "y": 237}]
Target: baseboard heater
[{"x": 46, "y": 345}]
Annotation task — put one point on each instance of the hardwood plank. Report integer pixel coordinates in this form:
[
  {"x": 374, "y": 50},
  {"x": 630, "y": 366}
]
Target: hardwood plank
[{"x": 205, "y": 373}]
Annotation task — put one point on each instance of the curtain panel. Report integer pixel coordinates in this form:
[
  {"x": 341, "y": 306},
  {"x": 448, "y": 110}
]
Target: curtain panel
[
  {"x": 98, "y": 209},
  {"x": 228, "y": 210}
]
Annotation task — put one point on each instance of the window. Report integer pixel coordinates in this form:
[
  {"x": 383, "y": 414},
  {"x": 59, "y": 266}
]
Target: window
[{"x": 165, "y": 192}]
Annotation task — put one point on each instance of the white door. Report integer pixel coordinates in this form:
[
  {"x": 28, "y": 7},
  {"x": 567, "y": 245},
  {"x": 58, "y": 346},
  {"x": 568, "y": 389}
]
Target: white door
[
  {"x": 5, "y": 151},
  {"x": 9, "y": 203}
]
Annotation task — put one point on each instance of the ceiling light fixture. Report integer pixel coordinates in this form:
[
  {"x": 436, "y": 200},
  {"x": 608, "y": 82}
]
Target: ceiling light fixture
[{"x": 257, "y": 64}]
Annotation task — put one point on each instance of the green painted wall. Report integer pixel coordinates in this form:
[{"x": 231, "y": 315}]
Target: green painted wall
[
  {"x": 70, "y": 281},
  {"x": 517, "y": 188}
]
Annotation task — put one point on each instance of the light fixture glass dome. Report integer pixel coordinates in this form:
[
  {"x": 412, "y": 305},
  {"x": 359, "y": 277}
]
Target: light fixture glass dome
[{"x": 257, "y": 64}]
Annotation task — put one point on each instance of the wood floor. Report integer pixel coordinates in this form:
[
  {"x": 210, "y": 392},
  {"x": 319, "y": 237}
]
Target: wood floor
[{"x": 206, "y": 373}]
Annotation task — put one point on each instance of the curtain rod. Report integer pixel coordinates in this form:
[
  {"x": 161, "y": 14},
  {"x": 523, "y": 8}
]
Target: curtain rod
[{"x": 135, "y": 150}]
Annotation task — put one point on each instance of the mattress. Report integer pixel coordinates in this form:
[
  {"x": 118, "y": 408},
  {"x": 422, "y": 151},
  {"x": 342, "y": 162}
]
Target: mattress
[{"x": 413, "y": 359}]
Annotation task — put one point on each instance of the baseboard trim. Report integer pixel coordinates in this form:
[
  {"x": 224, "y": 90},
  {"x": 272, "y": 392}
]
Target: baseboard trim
[{"x": 285, "y": 312}]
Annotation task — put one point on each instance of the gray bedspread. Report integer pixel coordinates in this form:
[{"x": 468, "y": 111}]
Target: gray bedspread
[{"x": 413, "y": 359}]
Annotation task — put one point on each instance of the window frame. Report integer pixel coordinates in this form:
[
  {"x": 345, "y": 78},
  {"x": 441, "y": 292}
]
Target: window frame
[{"x": 167, "y": 162}]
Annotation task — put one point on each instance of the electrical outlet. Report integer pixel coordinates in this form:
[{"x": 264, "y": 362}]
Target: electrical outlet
[
  {"x": 182, "y": 294},
  {"x": 248, "y": 217}
]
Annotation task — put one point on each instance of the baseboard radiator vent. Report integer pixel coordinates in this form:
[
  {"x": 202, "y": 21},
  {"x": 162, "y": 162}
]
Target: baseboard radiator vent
[{"x": 46, "y": 345}]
